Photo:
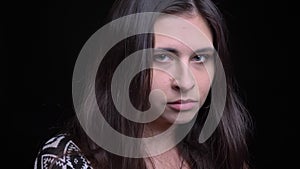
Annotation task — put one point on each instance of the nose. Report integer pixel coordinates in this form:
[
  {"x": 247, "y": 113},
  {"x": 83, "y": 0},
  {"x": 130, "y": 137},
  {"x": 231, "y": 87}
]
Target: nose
[{"x": 183, "y": 80}]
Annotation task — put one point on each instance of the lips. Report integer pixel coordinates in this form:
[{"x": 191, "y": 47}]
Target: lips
[{"x": 182, "y": 105}]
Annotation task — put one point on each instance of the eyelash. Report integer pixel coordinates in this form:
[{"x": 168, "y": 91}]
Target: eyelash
[
  {"x": 203, "y": 56},
  {"x": 156, "y": 58},
  {"x": 170, "y": 58}
]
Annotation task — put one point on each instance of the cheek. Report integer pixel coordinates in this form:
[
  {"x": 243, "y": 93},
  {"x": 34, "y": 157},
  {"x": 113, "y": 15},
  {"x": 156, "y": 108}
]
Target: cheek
[
  {"x": 203, "y": 80},
  {"x": 159, "y": 80}
]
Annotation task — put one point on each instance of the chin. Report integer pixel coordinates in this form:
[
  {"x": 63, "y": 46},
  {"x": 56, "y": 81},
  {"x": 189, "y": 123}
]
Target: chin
[{"x": 174, "y": 117}]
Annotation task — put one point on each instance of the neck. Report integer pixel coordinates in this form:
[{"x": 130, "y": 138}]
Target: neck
[
  {"x": 170, "y": 159},
  {"x": 156, "y": 127},
  {"x": 167, "y": 160}
]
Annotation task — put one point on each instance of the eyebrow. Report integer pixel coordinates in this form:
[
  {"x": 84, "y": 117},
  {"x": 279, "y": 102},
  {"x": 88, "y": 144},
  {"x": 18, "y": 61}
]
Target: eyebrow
[
  {"x": 207, "y": 49},
  {"x": 171, "y": 50},
  {"x": 176, "y": 52}
]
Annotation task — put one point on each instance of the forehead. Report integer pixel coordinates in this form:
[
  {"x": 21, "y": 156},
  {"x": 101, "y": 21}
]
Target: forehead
[{"x": 191, "y": 31}]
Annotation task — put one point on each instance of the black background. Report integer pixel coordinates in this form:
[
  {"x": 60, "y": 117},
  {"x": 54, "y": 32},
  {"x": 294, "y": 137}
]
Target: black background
[{"x": 41, "y": 41}]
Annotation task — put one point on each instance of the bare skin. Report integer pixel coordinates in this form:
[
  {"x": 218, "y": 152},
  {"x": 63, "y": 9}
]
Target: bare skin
[{"x": 200, "y": 84}]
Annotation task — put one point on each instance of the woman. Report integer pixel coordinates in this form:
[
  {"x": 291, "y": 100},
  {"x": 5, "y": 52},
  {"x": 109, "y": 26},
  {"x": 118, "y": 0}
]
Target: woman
[{"x": 184, "y": 72}]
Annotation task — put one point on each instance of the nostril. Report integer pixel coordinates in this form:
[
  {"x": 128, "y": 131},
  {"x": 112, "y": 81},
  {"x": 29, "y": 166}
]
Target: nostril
[
  {"x": 176, "y": 87},
  {"x": 180, "y": 85}
]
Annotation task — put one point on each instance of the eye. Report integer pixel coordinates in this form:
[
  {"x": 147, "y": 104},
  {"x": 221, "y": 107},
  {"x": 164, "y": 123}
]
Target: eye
[
  {"x": 201, "y": 58},
  {"x": 162, "y": 58}
]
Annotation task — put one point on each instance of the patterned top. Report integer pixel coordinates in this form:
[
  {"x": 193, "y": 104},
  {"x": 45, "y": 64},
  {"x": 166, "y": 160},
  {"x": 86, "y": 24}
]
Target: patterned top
[{"x": 61, "y": 153}]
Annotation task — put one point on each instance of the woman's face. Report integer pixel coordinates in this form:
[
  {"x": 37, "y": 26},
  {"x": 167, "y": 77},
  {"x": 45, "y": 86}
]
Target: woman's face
[{"x": 182, "y": 66}]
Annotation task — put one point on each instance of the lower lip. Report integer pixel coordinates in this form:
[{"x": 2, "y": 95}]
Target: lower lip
[{"x": 182, "y": 106}]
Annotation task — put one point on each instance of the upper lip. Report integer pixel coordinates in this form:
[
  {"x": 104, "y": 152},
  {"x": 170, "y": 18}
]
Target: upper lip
[{"x": 182, "y": 101}]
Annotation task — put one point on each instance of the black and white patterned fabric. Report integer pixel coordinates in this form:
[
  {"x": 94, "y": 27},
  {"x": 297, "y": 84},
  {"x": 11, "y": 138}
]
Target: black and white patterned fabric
[{"x": 61, "y": 153}]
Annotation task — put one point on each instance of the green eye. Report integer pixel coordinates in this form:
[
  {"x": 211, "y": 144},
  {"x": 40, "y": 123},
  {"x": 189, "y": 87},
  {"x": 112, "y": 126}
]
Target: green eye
[{"x": 162, "y": 58}]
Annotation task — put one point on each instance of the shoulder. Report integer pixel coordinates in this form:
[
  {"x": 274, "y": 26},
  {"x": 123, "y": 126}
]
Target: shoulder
[{"x": 60, "y": 152}]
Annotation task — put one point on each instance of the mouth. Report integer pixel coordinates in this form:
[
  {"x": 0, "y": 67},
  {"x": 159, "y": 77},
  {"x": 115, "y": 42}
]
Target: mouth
[{"x": 182, "y": 105}]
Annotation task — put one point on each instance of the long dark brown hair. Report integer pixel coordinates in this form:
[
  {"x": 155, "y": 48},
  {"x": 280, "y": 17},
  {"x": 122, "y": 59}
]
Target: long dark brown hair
[{"x": 225, "y": 149}]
